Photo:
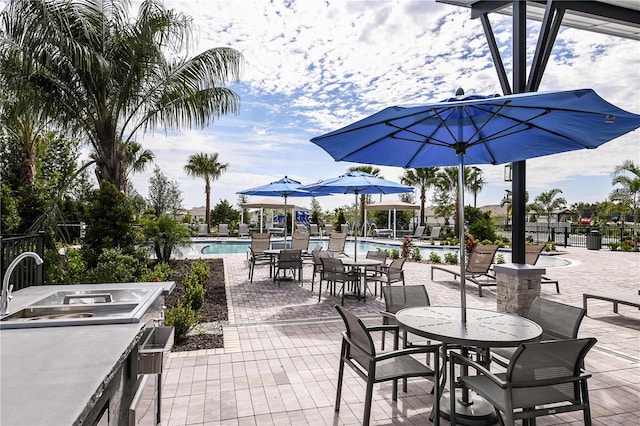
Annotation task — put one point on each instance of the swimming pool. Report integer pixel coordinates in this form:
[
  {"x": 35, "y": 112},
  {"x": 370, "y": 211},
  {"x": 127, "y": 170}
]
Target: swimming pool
[{"x": 210, "y": 247}]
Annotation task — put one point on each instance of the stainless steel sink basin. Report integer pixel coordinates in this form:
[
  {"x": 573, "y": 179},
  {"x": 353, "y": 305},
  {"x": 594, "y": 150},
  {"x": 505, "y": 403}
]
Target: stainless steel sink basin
[
  {"x": 84, "y": 307},
  {"x": 39, "y": 313}
]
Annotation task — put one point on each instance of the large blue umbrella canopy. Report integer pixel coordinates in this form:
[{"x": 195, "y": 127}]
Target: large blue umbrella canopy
[
  {"x": 284, "y": 187},
  {"x": 356, "y": 182},
  {"x": 479, "y": 130}
]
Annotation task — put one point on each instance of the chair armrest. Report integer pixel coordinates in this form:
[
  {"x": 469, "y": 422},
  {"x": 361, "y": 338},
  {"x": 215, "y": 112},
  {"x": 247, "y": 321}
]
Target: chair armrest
[
  {"x": 392, "y": 328},
  {"x": 459, "y": 359},
  {"x": 388, "y": 314},
  {"x": 409, "y": 351}
]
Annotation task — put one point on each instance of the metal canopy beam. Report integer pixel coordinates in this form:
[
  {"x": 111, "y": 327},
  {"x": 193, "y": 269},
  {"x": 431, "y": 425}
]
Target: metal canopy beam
[{"x": 547, "y": 38}]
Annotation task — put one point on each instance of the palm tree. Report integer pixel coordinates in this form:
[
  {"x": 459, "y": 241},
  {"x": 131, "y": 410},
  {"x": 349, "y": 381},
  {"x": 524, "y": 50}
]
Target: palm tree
[
  {"x": 363, "y": 197},
  {"x": 210, "y": 169},
  {"x": 476, "y": 183},
  {"x": 447, "y": 181},
  {"x": 630, "y": 191},
  {"x": 110, "y": 75},
  {"x": 136, "y": 160},
  {"x": 423, "y": 178},
  {"x": 546, "y": 202}
]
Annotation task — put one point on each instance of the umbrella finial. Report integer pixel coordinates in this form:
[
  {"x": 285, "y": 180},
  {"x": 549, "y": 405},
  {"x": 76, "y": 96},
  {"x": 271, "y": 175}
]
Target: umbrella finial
[{"x": 460, "y": 91}]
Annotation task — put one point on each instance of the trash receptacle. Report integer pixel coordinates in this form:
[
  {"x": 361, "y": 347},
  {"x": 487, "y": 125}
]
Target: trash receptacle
[{"x": 594, "y": 240}]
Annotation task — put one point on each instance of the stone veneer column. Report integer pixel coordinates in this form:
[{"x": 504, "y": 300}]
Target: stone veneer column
[{"x": 518, "y": 285}]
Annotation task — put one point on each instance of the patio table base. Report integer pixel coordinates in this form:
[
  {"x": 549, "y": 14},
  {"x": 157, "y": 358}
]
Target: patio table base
[{"x": 478, "y": 412}]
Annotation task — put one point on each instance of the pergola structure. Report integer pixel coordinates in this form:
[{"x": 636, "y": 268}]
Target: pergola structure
[{"x": 613, "y": 17}]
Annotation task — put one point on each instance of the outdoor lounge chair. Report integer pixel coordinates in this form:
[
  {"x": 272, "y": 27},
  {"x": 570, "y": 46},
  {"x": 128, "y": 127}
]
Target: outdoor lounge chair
[
  {"x": 300, "y": 241},
  {"x": 419, "y": 232},
  {"x": 359, "y": 353},
  {"x": 478, "y": 266},
  {"x": 558, "y": 321},
  {"x": 313, "y": 230},
  {"x": 542, "y": 378},
  {"x": 397, "y": 298},
  {"x": 317, "y": 255},
  {"x": 301, "y": 227},
  {"x": 334, "y": 272},
  {"x": 434, "y": 234},
  {"x": 328, "y": 229},
  {"x": 344, "y": 228},
  {"x": 223, "y": 230},
  {"x": 382, "y": 232},
  {"x": 337, "y": 241},
  {"x": 243, "y": 230},
  {"x": 531, "y": 254},
  {"x": 388, "y": 274}
]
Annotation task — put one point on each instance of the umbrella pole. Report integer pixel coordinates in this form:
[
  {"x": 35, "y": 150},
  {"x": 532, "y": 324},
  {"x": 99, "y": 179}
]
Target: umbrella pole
[
  {"x": 395, "y": 223},
  {"x": 463, "y": 293},
  {"x": 285, "y": 221},
  {"x": 355, "y": 246}
]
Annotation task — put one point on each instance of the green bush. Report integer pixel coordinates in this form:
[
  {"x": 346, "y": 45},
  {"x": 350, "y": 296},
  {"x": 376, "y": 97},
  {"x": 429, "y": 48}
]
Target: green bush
[
  {"x": 624, "y": 246},
  {"x": 182, "y": 318},
  {"x": 435, "y": 257},
  {"x": 614, "y": 246},
  {"x": 394, "y": 253},
  {"x": 500, "y": 259},
  {"x": 164, "y": 235},
  {"x": 200, "y": 270},
  {"x": 193, "y": 295},
  {"x": 113, "y": 266},
  {"x": 451, "y": 258},
  {"x": 160, "y": 272},
  {"x": 417, "y": 256}
]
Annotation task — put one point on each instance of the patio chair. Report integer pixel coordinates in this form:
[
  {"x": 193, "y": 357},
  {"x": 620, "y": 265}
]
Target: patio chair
[
  {"x": 419, "y": 232},
  {"x": 301, "y": 227},
  {"x": 223, "y": 230},
  {"x": 243, "y": 230},
  {"x": 259, "y": 243},
  {"x": 558, "y": 321},
  {"x": 337, "y": 241},
  {"x": 542, "y": 378},
  {"x": 288, "y": 260},
  {"x": 531, "y": 254},
  {"x": 388, "y": 274},
  {"x": 397, "y": 298},
  {"x": 328, "y": 229},
  {"x": 317, "y": 255},
  {"x": 375, "y": 270},
  {"x": 344, "y": 228},
  {"x": 313, "y": 230},
  {"x": 478, "y": 265},
  {"x": 359, "y": 353},
  {"x": 300, "y": 241},
  {"x": 434, "y": 234},
  {"x": 334, "y": 272}
]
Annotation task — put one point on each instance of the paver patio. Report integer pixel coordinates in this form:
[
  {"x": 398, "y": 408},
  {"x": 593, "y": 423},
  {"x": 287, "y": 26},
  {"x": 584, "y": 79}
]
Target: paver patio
[{"x": 279, "y": 364}]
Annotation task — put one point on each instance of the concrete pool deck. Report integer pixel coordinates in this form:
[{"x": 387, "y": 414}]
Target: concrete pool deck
[{"x": 279, "y": 364}]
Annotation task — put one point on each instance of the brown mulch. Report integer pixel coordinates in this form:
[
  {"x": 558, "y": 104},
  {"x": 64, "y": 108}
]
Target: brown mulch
[{"x": 214, "y": 307}]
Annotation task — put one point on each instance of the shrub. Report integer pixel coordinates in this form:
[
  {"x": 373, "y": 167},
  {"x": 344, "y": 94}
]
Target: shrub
[
  {"x": 614, "y": 246},
  {"x": 407, "y": 245},
  {"x": 394, "y": 253},
  {"x": 451, "y": 258},
  {"x": 435, "y": 257},
  {"x": 500, "y": 259},
  {"x": 164, "y": 234},
  {"x": 193, "y": 295},
  {"x": 114, "y": 267},
  {"x": 200, "y": 270},
  {"x": 160, "y": 272},
  {"x": 625, "y": 246},
  {"x": 417, "y": 256},
  {"x": 182, "y": 318}
]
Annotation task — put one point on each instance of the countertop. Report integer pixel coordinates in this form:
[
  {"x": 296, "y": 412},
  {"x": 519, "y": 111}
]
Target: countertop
[{"x": 53, "y": 375}]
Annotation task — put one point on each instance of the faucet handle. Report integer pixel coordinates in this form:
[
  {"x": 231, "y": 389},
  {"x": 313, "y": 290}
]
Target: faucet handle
[{"x": 9, "y": 295}]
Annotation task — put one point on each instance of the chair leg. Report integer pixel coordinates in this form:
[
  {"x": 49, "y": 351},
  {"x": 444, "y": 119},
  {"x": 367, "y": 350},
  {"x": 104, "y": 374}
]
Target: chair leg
[
  {"x": 340, "y": 375},
  {"x": 367, "y": 403}
]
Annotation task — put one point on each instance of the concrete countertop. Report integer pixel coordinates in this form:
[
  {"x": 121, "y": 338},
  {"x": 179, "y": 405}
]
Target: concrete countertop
[{"x": 53, "y": 375}]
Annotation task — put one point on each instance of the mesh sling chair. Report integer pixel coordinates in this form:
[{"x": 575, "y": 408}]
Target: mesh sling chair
[
  {"x": 358, "y": 351},
  {"x": 542, "y": 378},
  {"x": 317, "y": 255},
  {"x": 337, "y": 241},
  {"x": 288, "y": 260},
  {"x": 388, "y": 274},
  {"x": 400, "y": 297},
  {"x": 375, "y": 270},
  {"x": 558, "y": 321},
  {"x": 259, "y": 243},
  {"x": 531, "y": 254},
  {"x": 333, "y": 271},
  {"x": 478, "y": 265}
]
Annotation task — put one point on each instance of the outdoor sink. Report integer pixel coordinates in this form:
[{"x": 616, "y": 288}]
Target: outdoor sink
[
  {"x": 39, "y": 313},
  {"x": 84, "y": 307}
]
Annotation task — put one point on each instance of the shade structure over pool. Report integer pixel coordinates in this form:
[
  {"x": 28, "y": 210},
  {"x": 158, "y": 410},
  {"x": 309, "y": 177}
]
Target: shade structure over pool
[
  {"x": 392, "y": 205},
  {"x": 479, "y": 130}
]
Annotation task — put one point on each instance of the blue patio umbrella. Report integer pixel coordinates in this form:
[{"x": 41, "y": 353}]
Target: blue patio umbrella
[
  {"x": 356, "y": 182},
  {"x": 479, "y": 130},
  {"x": 284, "y": 187}
]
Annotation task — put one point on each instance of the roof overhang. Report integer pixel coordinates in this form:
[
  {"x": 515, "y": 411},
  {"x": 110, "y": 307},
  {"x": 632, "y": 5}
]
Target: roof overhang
[{"x": 619, "y": 18}]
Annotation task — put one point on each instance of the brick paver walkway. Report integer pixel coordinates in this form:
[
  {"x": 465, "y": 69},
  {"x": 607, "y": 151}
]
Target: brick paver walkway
[{"x": 279, "y": 364}]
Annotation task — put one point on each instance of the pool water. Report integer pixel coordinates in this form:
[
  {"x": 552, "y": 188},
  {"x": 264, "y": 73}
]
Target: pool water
[{"x": 234, "y": 247}]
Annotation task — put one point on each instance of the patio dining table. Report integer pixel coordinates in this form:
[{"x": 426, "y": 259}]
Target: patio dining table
[
  {"x": 483, "y": 329},
  {"x": 358, "y": 264}
]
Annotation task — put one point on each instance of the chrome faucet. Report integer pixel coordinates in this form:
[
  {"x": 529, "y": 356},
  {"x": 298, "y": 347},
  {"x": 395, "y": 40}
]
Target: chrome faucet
[{"x": 6, "y": 290}]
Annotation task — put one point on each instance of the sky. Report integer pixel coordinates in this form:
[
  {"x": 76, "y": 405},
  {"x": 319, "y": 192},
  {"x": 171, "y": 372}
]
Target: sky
[{"x": 315, "y": 66}]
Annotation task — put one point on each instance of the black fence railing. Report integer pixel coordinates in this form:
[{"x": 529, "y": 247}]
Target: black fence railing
[
  {"x": 592, "y": 237},
  {"x": 26, "y": 273}
]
